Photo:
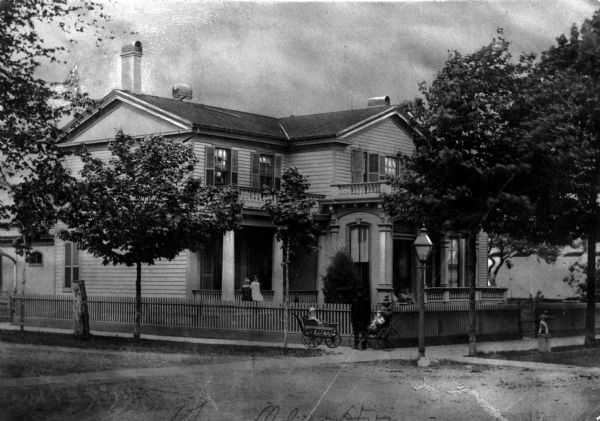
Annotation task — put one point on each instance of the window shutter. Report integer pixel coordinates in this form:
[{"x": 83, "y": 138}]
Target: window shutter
[
  {"x": 277, "y": 172},
  {"x": 357, "y": 165},
  {"x": 382, "y": 176},
  {"x": 401, "y": 166},
  {"x": 234, "y": 167},
  {"x": 255, "y": 170},
  {"x": 373, "y": 167},
  {"x": 209, "y": 164}
]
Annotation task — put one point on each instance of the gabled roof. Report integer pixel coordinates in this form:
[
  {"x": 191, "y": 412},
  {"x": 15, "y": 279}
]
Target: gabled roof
[
  {"x": 209, "y": 118},
  {"x": 214, "y": 118},
  {"x": 324, "y": 125}
]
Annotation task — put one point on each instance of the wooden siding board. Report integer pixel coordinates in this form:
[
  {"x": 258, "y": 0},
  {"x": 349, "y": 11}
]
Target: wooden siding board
[
  {"x": 386, "y": 138},
  {"x": 127, "y": 118},
  {"x": 164, "y": 278},
  {"x": 317, "y": 165}
]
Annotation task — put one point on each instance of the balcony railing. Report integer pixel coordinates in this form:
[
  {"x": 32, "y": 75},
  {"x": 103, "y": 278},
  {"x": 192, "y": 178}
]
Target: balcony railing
[
  {"x": 458, "y": 294},
  {"x": 360, "y": 190},
  {"x": 255, "y": 199},
  {"x": 296, "y": 296}
]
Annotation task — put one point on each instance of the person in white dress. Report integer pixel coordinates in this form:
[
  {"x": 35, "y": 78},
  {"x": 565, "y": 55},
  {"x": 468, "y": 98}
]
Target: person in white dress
[{"x": 255, "y": 288}]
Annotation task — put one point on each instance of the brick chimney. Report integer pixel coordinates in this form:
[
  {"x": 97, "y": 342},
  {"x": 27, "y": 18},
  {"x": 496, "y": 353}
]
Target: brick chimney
[{"x": 131, "y": 67}]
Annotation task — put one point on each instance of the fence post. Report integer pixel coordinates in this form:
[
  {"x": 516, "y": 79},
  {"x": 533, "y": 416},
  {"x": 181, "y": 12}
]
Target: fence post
[{"x": 527, "y": 319}]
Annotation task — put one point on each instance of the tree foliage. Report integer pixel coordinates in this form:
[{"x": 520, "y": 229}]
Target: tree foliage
[
  {"x": 290, "y": 209},
  {"x": 144, "y": 205},
  {"x": 469, "y": 165},
  {"x": 342, "y": 282},
  {"x": 565, "y": 117},
  {"x": 466, "y": 169},
  {"x": 31, "y": 109}
]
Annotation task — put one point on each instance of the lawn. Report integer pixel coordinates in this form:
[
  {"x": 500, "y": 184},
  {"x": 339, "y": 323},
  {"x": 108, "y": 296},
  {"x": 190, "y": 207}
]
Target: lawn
[
  {"x": 568, "y": 355},
  {"x": 99, "y": 353}
]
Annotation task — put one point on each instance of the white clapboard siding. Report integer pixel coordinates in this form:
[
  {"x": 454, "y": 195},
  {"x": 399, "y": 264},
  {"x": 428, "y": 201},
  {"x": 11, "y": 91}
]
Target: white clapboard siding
[
  {"x": 128, "y": 119},
  {"x": 164, "y": 278},
  {"x": 317, "y": 166},
  {"x": 386, "y": 138}
]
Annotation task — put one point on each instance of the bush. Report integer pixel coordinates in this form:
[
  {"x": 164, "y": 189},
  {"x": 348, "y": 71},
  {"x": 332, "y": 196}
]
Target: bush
[{"x": 342, "y": 281}]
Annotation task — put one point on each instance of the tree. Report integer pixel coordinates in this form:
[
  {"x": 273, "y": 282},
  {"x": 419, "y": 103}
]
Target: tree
[
  {"x": 565, "y": 116},
  {"x": 502, "y": 248},
  {"x": 144, "y": 205},
  {"x": 31, "y": 177},
  {"x": 341, "y": 282},
  {"x": 290, "y": 209},
  {"x": 468, "y": 165}
]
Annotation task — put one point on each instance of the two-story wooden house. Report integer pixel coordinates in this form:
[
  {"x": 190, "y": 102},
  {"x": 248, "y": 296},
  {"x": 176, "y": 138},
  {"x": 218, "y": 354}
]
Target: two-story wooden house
[{"x": 347, "y": 156}]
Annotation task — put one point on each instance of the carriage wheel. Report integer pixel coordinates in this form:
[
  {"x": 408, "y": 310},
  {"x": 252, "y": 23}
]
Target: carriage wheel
[
  {"x": 310, "y": 341},
  {"x": 333, "y": 341}
]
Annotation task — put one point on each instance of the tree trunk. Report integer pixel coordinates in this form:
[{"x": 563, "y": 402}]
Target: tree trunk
[
  {"x": 138, "y": 301},
  {"x": 472, "y": 313},
  {"x": 590, "y": 311},
  {"x": 81, "y": 317},
  {"x": 286, "y": 290},
  {"x": 22, "y": 306}
]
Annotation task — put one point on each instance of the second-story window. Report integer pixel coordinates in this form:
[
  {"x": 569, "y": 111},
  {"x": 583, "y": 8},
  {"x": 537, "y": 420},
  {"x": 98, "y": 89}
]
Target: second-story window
[
  {"x": 367, "y": 167},
  {"x": 266, "y": 170},
  {"x": 221, "y": 166},
  {"x": 391, "y": 166}
]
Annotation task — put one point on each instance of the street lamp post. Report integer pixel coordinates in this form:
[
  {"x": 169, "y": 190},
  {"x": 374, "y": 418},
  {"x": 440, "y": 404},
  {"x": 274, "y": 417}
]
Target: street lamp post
[{"x": 423, "y": 246}]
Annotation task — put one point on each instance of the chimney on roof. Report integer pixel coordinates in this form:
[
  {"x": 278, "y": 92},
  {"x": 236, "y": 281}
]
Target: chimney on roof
[
  {"x": 182, "y": 91},
  {"x": 379, "y": 101},
  {"x": 131, "y": 67}
]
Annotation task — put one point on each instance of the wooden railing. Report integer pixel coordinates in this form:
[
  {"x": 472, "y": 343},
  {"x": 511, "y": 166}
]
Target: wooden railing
[
  {"x": 461, "y": 294},
  {"x": 215, "y": 295},
  {"x": 255, "y": 199},
  {"x": 360, "y": 190}
]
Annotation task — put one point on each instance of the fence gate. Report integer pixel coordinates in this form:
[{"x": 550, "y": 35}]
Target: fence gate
[{"x": 4, "y": 306}]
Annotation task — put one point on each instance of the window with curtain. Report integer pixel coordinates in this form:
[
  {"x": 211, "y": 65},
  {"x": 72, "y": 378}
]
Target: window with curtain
[
  {"x": 222, "y": 166},
  {"x": 266, "y": 170}
]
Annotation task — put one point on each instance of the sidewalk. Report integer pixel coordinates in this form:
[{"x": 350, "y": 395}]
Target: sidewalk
[{"x": 344, "y": 354}]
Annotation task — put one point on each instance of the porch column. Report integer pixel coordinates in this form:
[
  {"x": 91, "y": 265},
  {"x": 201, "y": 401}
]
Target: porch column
[
  {"x": 444, "y": 262},
  {"x": 277, "y": 271},
  {"x": 481, "y": 254},
  {"x": 228, "y": 271},
  {"x": 322, "y": 263},
  {"x": 335, "y": 230}
]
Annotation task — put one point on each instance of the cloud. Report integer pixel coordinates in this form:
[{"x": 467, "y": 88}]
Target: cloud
[{"x": 296, "y": 58}]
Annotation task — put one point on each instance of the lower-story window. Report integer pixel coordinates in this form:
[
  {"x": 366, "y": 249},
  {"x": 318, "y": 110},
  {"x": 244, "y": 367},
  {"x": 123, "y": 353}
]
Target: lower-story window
[{"x": 71, "y": 264}]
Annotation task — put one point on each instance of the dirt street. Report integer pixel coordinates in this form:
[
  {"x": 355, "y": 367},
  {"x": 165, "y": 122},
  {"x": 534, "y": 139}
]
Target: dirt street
[{"x": 273, "y": 389}]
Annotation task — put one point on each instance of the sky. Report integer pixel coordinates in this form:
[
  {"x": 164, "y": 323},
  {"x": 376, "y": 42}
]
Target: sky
[{"x": 283, "y": 58}]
